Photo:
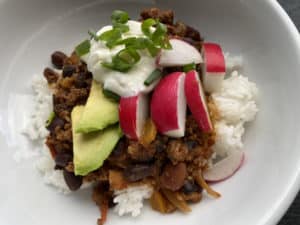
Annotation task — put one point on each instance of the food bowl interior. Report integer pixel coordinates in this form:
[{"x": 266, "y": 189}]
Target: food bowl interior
[{"x": 258, "y": 30}]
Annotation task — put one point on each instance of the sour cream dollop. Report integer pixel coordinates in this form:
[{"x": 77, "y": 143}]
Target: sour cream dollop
[{"x": 124, "y": 84}]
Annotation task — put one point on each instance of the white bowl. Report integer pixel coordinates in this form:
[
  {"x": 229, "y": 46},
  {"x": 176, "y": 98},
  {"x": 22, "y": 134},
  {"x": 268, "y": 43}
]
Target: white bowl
[{"x": 259, "y": 30}]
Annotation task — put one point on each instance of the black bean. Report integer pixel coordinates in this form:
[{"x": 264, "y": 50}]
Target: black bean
[
  {"x": 138, "y": 171},
  {"x": 56, "y": 122},
  {"x": 58, "y": 59},
  {"x": 50, "y": 75},
  {"x": 191, "y": 144},
  {"x": 63, "y": 159},
  {"x": 190, "y": 186},
  {"x": 73, "y": 182},
  {"x": 68, "y": 70}
]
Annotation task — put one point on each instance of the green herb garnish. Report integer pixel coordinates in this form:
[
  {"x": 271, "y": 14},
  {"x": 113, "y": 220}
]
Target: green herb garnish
[
  {"x": 156, "y": 74},
  {"x": 111, "y": 95},
  {"x": 124, "y": 60},
  {"x": 50, "y": 119},
  {"x": 146, "y": 26},
  {"x": 93, "y": 35},
  {"x": 83, "y": 48},
  {"x": 189, "y": 67},
  {"x": 111, "y": 37},
  {"x": 156, "y": 39},
  {"x": 119, "y": 16}
]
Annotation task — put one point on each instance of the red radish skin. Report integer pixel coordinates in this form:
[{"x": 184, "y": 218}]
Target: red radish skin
[
  {"x": 225, "y": 168},
  {"x": 168, "y": 105},
  {"x": 196, "y": 101},
  {"x": 213, "y": 67},
  {"x": 182, "y": 53},
  {"x": 133, "y": 112}
]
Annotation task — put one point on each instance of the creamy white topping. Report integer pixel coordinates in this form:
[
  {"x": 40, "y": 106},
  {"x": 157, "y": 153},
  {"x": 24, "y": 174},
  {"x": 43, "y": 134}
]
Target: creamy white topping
[{"x": 124, "y": 84}]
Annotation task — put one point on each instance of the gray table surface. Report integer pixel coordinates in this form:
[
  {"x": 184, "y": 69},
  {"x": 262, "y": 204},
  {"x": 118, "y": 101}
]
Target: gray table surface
[{"x": 292, "y": 217}]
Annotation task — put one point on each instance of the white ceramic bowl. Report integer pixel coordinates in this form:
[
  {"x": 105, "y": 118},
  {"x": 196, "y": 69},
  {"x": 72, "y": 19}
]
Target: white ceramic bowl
[{"x": 259, "y": 30}]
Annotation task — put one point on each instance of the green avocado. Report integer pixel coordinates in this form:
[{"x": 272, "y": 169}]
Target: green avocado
[
  {"x": 90, "y": 150},
  {"x": 99, "y": 111}
]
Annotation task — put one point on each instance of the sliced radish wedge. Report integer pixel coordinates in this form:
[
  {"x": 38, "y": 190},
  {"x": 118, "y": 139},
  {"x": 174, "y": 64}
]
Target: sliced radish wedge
[
  {"x": 196, "y": 101},
  {"x": 181, "y": 54},
  {"x": 213, "y": 67},
  {"x": 225, "y": 168},
  {"x": 133, "y": 112},
  {"x": 168, "y": 105}
]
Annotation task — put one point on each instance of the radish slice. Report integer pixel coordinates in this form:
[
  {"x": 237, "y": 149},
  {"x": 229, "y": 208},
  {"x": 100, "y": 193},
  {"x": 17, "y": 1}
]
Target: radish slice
[
  {"x": 133, "y": 112},
  {"x": 225, "y": 168},
  {"x": 181, "y": 54},
  {"x": 196, "y": 101},
  {"x": 213, "y": 68},
  {"x": 168, "y": 105}
]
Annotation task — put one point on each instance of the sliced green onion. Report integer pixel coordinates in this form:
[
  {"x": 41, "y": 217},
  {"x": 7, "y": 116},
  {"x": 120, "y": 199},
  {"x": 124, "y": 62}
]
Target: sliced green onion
[
  {"x": 152, "y": 49},
  {"x": 189, "y": 67},
  {"x": 129, "y": 55},
  {"x": 93, "y": 35},
  {"x": 146, "y": 25},
  {"x": 50, "y": 119},
  {"x": 159, "y": 33},
  {"x": 122, "y": 27},
  {"x": 111, "y": 37},
  {"x": 156, "y": 74},
  {"x": 119, "y": 16},
  {"x": 124, "y": 60},
  {"x": 83, "y": 48},
  {"x": 111, "y": 95}
]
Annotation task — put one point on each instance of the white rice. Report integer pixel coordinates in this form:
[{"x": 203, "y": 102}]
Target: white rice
[
  {"x": 43, "y": 106},
  {"x": 37, "y": 132},
  {"x": 130, "y": 200},
  {"x": 236, "y": 103}
]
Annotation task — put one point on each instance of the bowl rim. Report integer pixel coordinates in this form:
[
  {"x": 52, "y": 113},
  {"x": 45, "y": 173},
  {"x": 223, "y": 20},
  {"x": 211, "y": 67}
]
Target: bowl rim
[{"x": 274, "y": 214}]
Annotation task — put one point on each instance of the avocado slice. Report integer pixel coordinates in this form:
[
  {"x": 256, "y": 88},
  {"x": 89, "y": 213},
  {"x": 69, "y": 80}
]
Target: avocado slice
[
  {"x": 90, "y": 150},
  {"x": 99, "y": 111}
]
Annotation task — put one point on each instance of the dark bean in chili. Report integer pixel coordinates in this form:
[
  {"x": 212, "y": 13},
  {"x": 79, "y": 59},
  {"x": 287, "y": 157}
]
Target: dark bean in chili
[
  {"x": 50, "y": 75},
  {"x": 58, "y": 58},
  {"x": 68, "y": 70},
  {"x": 73, "y": 182}
]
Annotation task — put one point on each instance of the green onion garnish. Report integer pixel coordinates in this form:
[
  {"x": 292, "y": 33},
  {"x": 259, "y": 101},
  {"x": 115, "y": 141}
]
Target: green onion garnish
[
  {"x": 119, "y": 16},
  {"x": 189, "y": 67},
  {"x": 124, "y": 60},
  {"x": 50, "y": 119},
  {"x": 122, "y": 27},
  {"x": 156, "y": 74},
  {"x": 83, "y": 48},
  {"x": 111, "y": 95},
  {"x": 93, "y": 35},
  {"x": 146, "y": 25},
  {"x": 111, "y": 37}
]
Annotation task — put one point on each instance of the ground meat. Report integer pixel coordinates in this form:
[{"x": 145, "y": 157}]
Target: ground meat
[
  {"x": 177, "y": 151},
  {"x": 66, "y": 95},
  {"x": 100, "y": 175},
  {"x": 50, "y": 75},
  {"x": 164, "y": 16},
  {"x": 178, "y": 30},
  {"x": 140, "y": 153},
  {"x": 173, "y": 176},
  {"x": 119, "y": 156}
]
